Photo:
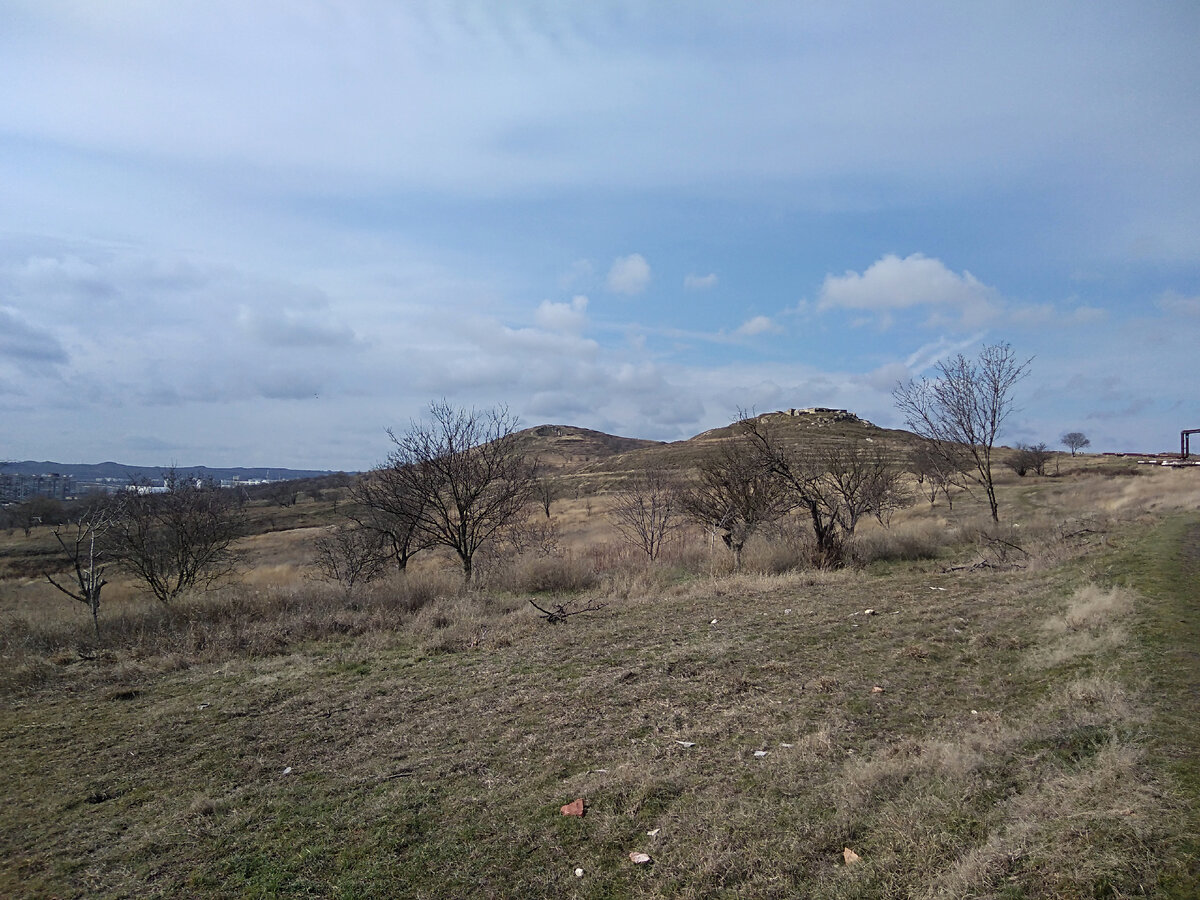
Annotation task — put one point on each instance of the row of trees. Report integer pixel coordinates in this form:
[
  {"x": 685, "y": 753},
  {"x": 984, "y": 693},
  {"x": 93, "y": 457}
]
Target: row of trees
[
  {"x": 755, "y": 479},
  {"x": 173, "y": 540},
  {"x": 460, "y": 480}
]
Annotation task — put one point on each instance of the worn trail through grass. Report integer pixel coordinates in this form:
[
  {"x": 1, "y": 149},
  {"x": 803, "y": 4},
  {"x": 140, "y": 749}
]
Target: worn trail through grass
[{"x": 1164, "y": 566}]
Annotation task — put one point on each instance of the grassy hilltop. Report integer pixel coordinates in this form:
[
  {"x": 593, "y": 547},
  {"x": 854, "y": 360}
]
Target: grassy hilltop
[{"x": 972, "y": 711}]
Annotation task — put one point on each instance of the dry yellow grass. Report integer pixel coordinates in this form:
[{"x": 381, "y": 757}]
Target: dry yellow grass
[{"x": 432, "y": 733}]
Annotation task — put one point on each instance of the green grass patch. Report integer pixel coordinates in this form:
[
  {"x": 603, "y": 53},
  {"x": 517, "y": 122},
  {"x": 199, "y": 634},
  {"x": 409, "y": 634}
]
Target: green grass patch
[{"x": 1164, "y": 566}]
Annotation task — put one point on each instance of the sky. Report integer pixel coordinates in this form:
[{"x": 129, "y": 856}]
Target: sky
[{"x": 263, "y": 233}]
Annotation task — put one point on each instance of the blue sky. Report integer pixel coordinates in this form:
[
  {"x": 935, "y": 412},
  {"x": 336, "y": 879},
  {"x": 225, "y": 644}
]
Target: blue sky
[{"x": 262, "y": 233}]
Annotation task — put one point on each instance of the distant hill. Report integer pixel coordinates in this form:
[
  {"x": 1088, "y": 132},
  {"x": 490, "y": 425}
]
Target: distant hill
[
  {"x": 589, "y": 461},
  {"x": 561, "y": 448},
  {"x": 111, "y": 471}
]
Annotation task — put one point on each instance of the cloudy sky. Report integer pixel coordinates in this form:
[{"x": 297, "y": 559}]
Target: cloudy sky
[{"x": 261, "y": 233}]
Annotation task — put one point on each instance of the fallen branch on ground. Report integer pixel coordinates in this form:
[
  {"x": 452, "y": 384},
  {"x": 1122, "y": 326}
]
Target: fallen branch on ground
[{"x": 560, "y": 613}]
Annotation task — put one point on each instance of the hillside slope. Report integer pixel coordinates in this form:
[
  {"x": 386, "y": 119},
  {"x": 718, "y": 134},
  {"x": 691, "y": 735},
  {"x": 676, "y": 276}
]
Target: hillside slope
[{"x": 604, "y": 462}]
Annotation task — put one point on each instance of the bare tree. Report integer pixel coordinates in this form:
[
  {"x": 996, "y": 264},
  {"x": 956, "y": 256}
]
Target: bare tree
[
  {"x": 546, "y": 492},
  {"x": 84, "y": 548},
  {"x": 284, "y": 493},
  {"x": 350, "y": 556},
  {"x": 530, "y": 536},
  {"x": 964, "y": 408},
  {"x": 1039, "y": 456},
  {"x": 38, "y": 510},
  {"x": 1029, "y": 458},
  {"x": 937, "y": 473},
  {"x": 863, "y": 482},
  {"x": 736, "y": 493},
  {"x": 386, "y": 503},
  {"x": 835, "y": 487},
  {"x": 1075, "y": 441},
  {"x": 647, "y": 512},
  {"x": 1018, "y": 461},
  {"x": 467, "y": 472},
  {"x": 178, "y": 539}
]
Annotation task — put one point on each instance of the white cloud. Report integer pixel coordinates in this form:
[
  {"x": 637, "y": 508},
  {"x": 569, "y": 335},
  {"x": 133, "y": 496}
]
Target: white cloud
[
  {"x": 757, "y": 325},
  {"x": 700, "y": 282},
  {"x": 927, "y": 356},
  {"x": 895, "y": 283},
  {"x": 1177, "y": 304},
  {"x": 629, "y": 274},
  {"x": 892, "y": 283},
  {"x": 569, "y": 317}
]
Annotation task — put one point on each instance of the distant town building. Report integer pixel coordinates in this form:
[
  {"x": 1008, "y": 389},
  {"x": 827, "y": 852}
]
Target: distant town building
[
  {"x": 246, "y": 482},
  {"x": 16, "y": 488}
]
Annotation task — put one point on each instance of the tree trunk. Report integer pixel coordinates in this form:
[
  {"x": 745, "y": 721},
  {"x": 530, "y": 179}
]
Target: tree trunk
[
  {"x": 991, "y": 494},
  {"x": 829, "y": 552}
]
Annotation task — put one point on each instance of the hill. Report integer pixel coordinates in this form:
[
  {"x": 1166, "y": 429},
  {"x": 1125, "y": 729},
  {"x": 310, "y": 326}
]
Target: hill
[
  {"x": 591, "y": 462},
  {"x": 563, "y": 448}
]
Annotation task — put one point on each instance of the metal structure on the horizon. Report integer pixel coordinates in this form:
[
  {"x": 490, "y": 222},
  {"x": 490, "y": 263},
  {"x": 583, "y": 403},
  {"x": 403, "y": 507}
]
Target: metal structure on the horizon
[{"x": 1185, "y": 442}]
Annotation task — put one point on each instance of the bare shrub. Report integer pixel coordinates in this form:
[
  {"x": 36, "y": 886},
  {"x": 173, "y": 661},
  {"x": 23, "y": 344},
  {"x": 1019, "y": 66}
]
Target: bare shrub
[
  {"x": 546, "y": 574},
  {"x": 911, "y": 541},
  {"x": 937, "y": 472},
  {"x": 833, "y": 488},
  {"x": 528, "y": 538},
  {"x": 735, "y": 493},
  {"x": 385, "y": 502},
  {"x": 546, "y": 491},
  {"x": 648, "y": 512},
  {"x": 178, "y": 540},
  {"x": 1029, "y": 458},
  {"x": 350, "y": 556}
]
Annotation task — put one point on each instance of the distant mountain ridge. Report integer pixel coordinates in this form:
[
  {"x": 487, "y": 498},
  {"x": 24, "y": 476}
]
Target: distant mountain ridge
[{"x": 88, "y": 472}]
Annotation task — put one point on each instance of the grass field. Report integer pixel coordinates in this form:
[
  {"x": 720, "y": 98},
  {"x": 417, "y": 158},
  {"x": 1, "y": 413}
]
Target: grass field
[{"x": 969, "y": 721}]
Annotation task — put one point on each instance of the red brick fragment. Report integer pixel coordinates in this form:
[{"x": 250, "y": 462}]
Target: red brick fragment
[{"x": 574, "y": 808}]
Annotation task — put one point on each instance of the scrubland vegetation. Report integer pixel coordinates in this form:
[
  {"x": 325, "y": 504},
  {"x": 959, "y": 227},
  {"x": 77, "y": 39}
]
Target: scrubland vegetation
[{"x": 974, "y": 709}]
